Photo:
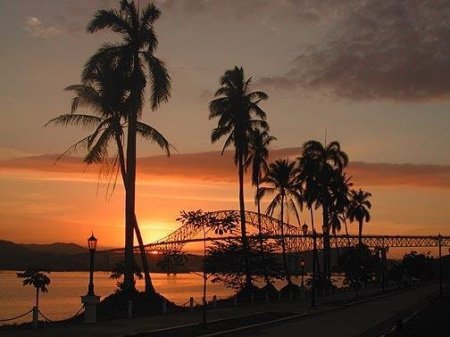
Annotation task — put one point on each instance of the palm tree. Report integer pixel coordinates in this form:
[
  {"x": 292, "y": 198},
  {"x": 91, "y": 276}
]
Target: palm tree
[
  {"x": 257, "y": 159},
  {"x": 238, "y": 112},
  {"x": 37, "y": 279},
  {"x": 105, "y": 95},
  {"x": 132, "y": 56},
  {"x": 359, "y": 209},
  {"x": 281, "y": 181},
  {"x": 323, "y": 162}
]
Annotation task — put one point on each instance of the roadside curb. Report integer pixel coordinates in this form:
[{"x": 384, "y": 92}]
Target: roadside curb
[{"x": 224, "y": 332}]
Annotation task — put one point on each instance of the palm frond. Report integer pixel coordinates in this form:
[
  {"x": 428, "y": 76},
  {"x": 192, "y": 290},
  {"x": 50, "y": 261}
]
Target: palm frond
[
  {"x": 109, "y": 19},
  {"x": 160, "y": 80},
  {"x": 86, "y": 121},
  {"x": 151, "y": 134}
]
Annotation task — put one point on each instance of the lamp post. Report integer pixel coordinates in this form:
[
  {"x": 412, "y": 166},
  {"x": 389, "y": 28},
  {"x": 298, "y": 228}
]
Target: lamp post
[
  {"x": 314, "y": 276},
  {"x": 313, "y": 292},
  {"x": 302, "y": 266},
  {"x": 439, "y": 237},
  {"x": 92, "y": 245},
  {"x": 90, "y": 300}
]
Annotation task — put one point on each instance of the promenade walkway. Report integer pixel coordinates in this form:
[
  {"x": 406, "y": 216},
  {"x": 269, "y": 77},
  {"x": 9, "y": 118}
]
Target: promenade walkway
[{"x": 327, "y": 304}]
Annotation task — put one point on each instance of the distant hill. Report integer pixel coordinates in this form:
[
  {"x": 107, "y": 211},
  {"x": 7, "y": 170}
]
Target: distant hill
[
  {"x": 70, "y": 257},
  {"x": 57, "y": 248}
]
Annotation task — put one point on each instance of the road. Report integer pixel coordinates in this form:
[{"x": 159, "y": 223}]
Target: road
[{"x": 346, "y": 322}]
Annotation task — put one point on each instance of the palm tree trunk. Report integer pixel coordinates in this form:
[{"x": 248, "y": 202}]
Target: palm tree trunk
[
  {"x": 261, "y": 247},
  {"x": 37, "y": 297},
  {"x": 130, "y": 191},
  {"x": 346, "y": 232},
  {"x": 312, "y": 227},
  {"x": 312, "y": 218},
  {"x": 248, "y": 279},
  {"x": 149, "y": 289},
  {"x": 360, "y": 232},
  {"x": 326, "y": 244},
  {"x": 283, "y": 245}
]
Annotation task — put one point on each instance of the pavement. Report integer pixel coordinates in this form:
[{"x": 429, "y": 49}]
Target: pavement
[{"x": 331, "y": 317}]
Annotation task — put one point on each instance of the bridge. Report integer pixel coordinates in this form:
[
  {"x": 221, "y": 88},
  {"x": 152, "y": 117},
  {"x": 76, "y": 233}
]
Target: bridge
[{"x": 296, "y": 240}]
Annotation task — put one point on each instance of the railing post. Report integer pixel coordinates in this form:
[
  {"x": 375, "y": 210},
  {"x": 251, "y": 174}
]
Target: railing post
[
  {"x": 130, "y": 309},
  {"x": 191, "y": 304},
  {"x": 440, "y": 264},
  {"x": 235, "y": 300},
  {"x": 164, "y": 306},
  {"x": 35, "y": 317},
  {"x": 267, "y": 297},
  {"x": 215, "y": 302},
  {"x": 252, "y": 298}
]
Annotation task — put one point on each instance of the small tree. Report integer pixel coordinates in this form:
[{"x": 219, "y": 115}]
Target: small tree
[
  {"x": 358, "y": 264},
  {"x": 224, "y": 263},
  {"x": 38, "y": 279},
  {"x": 171, "y": 261},
  {"x": 417, "y": 265},
  {"x": 206, "y": 222},
  {"x": 119, "y": 271}
]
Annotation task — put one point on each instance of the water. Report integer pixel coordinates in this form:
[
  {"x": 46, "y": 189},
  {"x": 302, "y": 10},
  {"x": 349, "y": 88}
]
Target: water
[{"x": 63, "y": 298}]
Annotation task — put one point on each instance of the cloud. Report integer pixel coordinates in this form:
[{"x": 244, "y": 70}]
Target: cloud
[
  {"x": 383, "y": 174},
  {"x": 211, "y": 166},
  {"x": 379, "y": 50},
  {"x": 37, "y": 29}
]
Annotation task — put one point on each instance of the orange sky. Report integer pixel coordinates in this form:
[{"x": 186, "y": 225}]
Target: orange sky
[
  {"x": 42, "y": 202},
  {"x": 387, "y": 108}
]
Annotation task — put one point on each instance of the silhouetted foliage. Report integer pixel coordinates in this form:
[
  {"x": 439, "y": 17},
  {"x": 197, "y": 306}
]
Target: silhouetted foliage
[
  {"x": 209, "y": 221},
  {"x": 321, "y": 166},
  {"x": 119, "y": 271},
  {"x": 358, "y": 264},
  {"x": 358, "y": 209},
  {"x": 417, "y": 265},
  {"x": 238, "y": 113},
  {"x": 133, "y": 57},
  {"x": 224, "y": 262},
  {"x": 36, "y": 278},
  {"x": 281, "y": 181},
  {"x": 171, "y": 261}
]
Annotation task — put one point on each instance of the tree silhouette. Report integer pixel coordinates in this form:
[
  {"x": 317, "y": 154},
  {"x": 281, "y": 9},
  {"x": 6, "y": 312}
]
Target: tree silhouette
[
  {"x": 320, "y": 164},
  {"x": 105, "y": 96},
  {"x": 238, "y": 112},
  {"x": 257, "y": 160},
  {"x": 36, "y": 278},
  {"x": 281, "y": 180},
  {"x": 359, "y": 209},
  {"x": 133, "y": 56}
]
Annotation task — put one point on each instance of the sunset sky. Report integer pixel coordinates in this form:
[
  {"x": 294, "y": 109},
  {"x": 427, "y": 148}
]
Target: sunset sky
[{"x": 373, "y": 75}]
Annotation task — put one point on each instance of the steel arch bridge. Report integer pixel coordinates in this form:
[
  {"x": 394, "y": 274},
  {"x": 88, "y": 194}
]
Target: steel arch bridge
[{"x": 295, "y": 240}]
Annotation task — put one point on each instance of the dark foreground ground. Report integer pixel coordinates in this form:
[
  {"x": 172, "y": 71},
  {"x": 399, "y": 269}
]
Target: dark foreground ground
[
  {"x": 433, "y": 320},
  {"x": 337, "y": 315}
]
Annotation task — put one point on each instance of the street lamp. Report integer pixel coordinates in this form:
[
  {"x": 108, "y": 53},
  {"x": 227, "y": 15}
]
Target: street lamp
[
  {"x": 439, "y": 238},
  {"x": 314, "y": 278},
  {"x": 302, "y": 266},
  {"x": 92, "y": 245},
  {"x": 305, "y": 229}
]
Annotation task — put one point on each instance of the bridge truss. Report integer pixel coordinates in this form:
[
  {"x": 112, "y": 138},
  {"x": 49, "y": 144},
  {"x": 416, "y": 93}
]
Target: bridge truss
[{"x": 295, "y": 240}]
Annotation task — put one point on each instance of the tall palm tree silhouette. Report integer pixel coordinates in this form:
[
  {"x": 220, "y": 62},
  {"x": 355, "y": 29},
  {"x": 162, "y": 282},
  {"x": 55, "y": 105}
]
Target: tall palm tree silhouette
[
  {"x": 238, "y": 112},
  {"x": 359, "y": 209},
  {"x": 323, "y": 162},
  {"x": 281, "y": 181},
  {"x": 257, "y": 160},
  {"x": 134, "y": 55},
  {"x": 105, "y": 96}
]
